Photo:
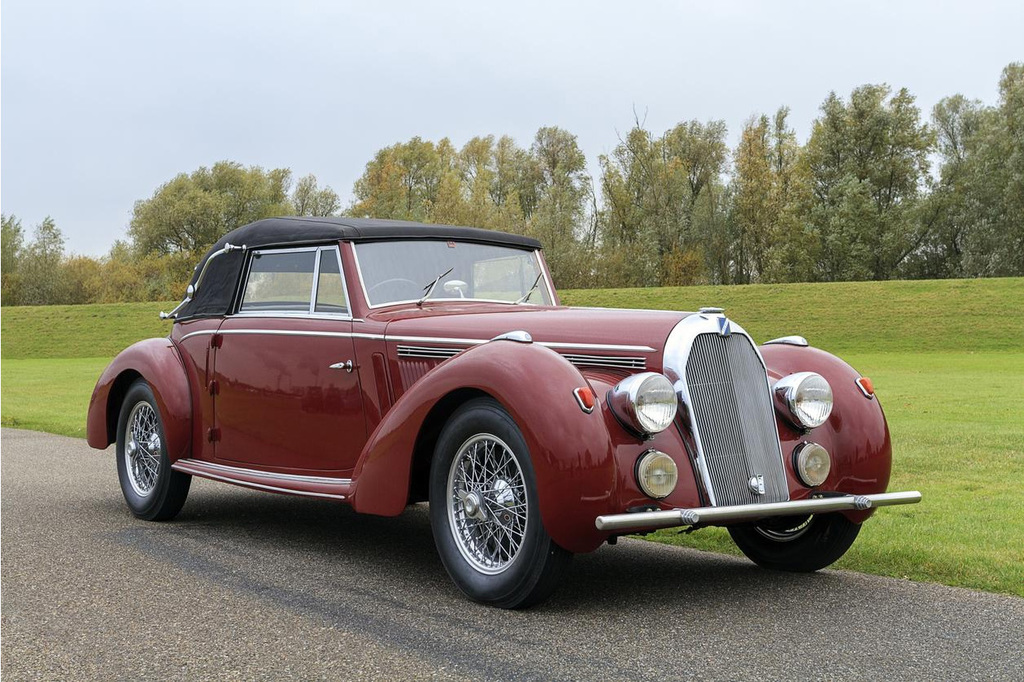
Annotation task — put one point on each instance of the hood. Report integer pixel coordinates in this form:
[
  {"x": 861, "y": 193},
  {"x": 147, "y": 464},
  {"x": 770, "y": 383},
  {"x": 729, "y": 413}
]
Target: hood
[{"x": 575, "y": 331}]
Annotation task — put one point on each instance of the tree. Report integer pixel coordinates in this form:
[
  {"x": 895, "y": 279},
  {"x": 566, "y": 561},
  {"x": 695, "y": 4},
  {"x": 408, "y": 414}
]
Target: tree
[
  {"x": 946, "y": 214},
  {"x": 190, "y": 212},
  {"x": 308, "y": 199},
  {"x": 994, "y": 184},
  {"x": 41, "y": 267},
  {"x": 867, "y": 160},
  {"x": 559, "y": 220},
  {"x": 402, "y": 181},
  {"x": 769, "y": 242},
  {"x": 663, "y": 198},
  {"x": 12, "y": 242}
]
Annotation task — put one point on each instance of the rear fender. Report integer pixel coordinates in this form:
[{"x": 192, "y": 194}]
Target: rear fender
[
  {"x": 159, "y": 363},
  {"x": 570, "y": 449}
]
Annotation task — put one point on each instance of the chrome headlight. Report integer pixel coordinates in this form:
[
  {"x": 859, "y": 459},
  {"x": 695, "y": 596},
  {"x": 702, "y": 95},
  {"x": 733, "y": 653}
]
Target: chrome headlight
[
  {"x": 656, "y": 473},
  {"x": 807, "y": 396},
  {"x": 644, "y": 402},
  {"x": 812, "y": 463}
]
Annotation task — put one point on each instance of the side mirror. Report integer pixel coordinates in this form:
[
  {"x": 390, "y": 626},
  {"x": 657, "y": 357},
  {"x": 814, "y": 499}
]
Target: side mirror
[{"x": 453, "y": 285}]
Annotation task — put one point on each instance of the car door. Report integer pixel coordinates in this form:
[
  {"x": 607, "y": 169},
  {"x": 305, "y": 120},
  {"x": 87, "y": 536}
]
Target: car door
[{"x": 287, "y": 396}]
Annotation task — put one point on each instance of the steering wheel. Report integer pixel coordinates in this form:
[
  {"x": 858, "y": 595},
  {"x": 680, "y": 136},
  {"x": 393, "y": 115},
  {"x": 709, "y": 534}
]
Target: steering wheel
[{"x": 394, "y": 280}]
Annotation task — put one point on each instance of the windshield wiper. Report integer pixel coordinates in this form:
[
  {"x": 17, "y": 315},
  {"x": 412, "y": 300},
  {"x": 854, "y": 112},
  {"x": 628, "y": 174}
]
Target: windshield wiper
[
  {"x": 525, "y": 297},
  {"x": 429, "y": 289}
]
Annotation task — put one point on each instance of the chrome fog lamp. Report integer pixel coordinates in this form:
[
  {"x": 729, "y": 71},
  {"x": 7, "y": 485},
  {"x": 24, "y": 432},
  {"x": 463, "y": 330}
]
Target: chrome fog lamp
[
  {"x": 807, "y": 396},
  {"x": 645, "y": 402},
  {"x": 812, "y": 464},
  {"x": 656, "y": 473}
]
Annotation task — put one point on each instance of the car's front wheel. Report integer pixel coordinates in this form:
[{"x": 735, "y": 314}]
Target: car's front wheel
[
  {"x": 152, "y": 489},
  {"x": 801, "y": 544},
  {"x": 484, "y": 511}
]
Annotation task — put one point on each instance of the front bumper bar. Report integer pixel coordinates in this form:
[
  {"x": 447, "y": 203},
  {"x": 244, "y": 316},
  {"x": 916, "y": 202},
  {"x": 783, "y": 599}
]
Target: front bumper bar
[{"x": 750, "y": 512}]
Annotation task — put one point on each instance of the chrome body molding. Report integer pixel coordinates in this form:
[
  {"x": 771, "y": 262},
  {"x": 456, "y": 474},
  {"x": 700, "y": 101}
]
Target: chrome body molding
[
  {"x": 751, "y": 512},
  {"x": 678, "y": 349},
  {"x": 238, "y": 475},
  {"x": 788, "y": 341},
  {"x": 433, "y": 352},
  {"x": 612, "y": 361},
  {"x": 554, "y": 345}
]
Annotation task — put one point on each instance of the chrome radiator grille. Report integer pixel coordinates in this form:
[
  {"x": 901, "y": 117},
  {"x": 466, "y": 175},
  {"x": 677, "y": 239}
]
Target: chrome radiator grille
[{"x": 732, "y": 415}]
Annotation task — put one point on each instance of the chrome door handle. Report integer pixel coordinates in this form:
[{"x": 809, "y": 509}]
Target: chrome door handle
[{"x": 347, "y": 366}]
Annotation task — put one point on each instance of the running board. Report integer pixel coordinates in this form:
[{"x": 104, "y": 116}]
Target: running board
[{"x": 291, "y": 484}]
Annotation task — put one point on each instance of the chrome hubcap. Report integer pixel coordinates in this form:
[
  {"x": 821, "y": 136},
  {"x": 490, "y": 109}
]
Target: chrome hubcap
[
  {"x": 487, "y": 506},
  {"x": 142, "y": 449}
]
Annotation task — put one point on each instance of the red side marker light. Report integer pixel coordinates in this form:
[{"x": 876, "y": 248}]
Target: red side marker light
[
  {"x": 585, "y": 398},
  {"x": 866, "y": 387}
]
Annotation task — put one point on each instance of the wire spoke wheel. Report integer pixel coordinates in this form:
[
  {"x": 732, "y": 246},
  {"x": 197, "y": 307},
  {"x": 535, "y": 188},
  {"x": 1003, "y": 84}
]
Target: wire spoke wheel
[
  {"x": 785, "y": 529},
  {"x": 142, "y": 451},
  {"x": 487, "y": 503}
]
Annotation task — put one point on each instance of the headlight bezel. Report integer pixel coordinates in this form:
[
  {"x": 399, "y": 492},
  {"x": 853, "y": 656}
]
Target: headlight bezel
[
  {"x": 626, "y": 400},
  {"x": 792, "y": 392}
]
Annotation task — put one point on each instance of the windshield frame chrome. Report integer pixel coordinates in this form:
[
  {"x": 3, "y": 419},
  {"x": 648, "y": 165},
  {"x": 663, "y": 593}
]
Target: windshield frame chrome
[{"x": 390, "y": 304}]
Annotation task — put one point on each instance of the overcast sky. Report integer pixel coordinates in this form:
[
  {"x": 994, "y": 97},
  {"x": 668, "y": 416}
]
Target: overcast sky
[{"x": 104, "y": 101}]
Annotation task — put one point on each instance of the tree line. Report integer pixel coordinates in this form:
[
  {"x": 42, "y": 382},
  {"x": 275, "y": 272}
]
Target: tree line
[{"x": 875, "y": 192}]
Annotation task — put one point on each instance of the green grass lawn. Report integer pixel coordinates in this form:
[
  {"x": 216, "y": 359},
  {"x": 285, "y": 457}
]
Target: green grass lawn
[{"x": 947, "y": 359}]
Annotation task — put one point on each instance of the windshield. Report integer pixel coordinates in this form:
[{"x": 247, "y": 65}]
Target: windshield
[{"x": 401, "y": 271}]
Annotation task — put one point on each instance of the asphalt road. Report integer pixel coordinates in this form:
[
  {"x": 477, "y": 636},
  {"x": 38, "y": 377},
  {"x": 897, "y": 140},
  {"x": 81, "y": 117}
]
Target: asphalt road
[{"x": 252, "y": 585}]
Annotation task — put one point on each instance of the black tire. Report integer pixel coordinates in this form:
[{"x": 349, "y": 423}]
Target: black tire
[
  {"x": 799, "y": 544},
  {"x": 535, "y": 567},
  {"x": 151, "y": 496}
]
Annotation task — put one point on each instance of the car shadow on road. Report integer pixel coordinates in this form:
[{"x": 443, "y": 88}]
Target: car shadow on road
[{"x": 400, "y": 552}]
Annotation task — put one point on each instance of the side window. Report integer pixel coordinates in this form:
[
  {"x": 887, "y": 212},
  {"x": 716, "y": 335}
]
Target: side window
[
  {"x": 280, "y": 282},
  {"x": 330, "y": 293}
]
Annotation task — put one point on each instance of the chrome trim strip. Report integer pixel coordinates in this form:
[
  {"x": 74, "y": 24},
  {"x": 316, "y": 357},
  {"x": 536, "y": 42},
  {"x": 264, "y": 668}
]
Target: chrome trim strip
[
  {"x": 242, "y": 471},
  {"x": 204, "y": 332},
  {"x": 606, "y": 361},
  {"x": 547, "y": 344},
  {"x": 414, "y": 339},
  {"x": 249, "y": 484},
  {"x": 427, "y": 352},
  {"x": 749, "y": 512}
]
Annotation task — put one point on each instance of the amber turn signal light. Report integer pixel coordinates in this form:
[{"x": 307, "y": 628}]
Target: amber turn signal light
[
  {"x": 866, "y": 387},
  {"x": 585, "y": 398}
]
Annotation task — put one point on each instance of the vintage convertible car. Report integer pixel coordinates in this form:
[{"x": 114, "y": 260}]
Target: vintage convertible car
[{"x": 382, "y": 363}]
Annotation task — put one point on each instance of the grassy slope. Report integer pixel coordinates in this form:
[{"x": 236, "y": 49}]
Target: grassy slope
[
  {"x": 871, "y": 317},
  {"x": 956, "y": 411}
]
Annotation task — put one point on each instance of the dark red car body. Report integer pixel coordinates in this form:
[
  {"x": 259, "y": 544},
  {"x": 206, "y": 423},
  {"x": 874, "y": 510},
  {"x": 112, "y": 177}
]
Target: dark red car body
[{"x": 366, "y": 437}]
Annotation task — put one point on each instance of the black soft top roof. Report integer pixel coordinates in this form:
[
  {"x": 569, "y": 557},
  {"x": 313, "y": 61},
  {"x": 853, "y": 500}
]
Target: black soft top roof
[
  {"x": 215, "y": 295},
  {"x": 302, "y": 230}
]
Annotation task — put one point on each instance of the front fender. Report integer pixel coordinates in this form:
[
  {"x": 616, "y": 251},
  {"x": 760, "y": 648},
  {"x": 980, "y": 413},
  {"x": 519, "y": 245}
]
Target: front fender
[
  {"x": 159, "y": 363},
  {"x": 856, "y": 434},
  {"x": 570, "y": 449}
]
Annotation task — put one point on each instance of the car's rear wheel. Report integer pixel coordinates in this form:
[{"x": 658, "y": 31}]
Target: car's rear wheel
[
  {"x": 791, "y": 543},
  {"x": 152, "y": 489},
  {"x": 484, "y": 511}
]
